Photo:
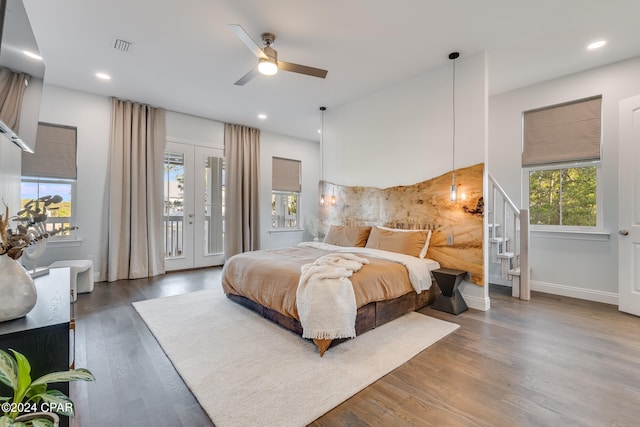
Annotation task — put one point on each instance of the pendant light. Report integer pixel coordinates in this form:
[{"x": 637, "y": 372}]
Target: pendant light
[
  {"x": 322, "y": 110},
  {"x": 453, "y": 190}
]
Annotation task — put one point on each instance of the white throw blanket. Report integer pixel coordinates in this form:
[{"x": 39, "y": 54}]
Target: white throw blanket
[
  {"x": 325, "y": 299},
  {"x": 419, "y": 269}
]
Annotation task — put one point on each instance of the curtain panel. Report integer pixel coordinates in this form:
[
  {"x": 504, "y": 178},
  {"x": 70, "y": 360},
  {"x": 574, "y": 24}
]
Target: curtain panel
[
  {"x": 136, "y": 160},
  {"x": 12, "y": 88},
  {"x": 242, "y": 157}
]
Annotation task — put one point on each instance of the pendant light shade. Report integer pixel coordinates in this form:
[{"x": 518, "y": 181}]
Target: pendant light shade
[{"x": 453, "y": 190}]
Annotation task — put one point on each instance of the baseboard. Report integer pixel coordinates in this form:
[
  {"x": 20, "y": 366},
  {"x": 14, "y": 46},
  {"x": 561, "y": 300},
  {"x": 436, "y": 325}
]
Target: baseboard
[
  {"x": 574, "y": 292},
  {"x": 498, "y": 280},
  {"x": 482, "y": 304}
]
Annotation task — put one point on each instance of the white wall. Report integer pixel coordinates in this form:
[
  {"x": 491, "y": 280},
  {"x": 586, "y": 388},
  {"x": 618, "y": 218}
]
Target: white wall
[
  {"x": 308, "y": 152},
  {"x": 194, "y": 130},
  {"x": 402, "y": 135},
  {"x": 567, "y": 264},
  {"x": 91, "y": 115}
]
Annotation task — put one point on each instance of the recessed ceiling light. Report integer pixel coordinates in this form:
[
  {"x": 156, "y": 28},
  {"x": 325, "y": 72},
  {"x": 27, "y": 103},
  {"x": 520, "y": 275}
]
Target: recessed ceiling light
[
  {"x": 103, "y": 76},
  {"x": 262, "y": 116},
  {"x": 596, "y": 45},
  {"x": 32, "y": 55},
  {"x": 319, "y": 130}
]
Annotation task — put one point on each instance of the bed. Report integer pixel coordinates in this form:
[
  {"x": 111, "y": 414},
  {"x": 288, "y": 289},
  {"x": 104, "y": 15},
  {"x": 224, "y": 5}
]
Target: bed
[{"x": 394, "y": 280}]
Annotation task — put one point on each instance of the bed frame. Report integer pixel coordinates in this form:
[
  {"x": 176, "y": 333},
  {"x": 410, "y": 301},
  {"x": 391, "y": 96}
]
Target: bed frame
[{"x": 368, "y": 316}]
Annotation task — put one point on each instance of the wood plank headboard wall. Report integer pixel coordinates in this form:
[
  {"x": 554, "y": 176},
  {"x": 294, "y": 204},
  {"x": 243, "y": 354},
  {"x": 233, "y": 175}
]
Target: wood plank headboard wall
[{"x": 424, "y": 205}]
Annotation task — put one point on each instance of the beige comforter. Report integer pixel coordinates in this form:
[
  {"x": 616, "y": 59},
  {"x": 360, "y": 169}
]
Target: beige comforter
[{"x": 270, "y": 277}]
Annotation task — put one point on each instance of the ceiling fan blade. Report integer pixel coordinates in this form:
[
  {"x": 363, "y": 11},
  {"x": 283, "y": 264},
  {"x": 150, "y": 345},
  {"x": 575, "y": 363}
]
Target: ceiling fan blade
[
  {"x": 247, "y": 77},
  {"x": 247, "y": 40},
  {"x": 302, "y": 69}
]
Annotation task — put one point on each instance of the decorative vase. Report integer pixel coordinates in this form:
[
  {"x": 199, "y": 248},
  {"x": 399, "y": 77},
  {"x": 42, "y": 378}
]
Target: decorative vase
[
  {"x": 17, "y": 290},
  {"x": 50, "y": 416}
]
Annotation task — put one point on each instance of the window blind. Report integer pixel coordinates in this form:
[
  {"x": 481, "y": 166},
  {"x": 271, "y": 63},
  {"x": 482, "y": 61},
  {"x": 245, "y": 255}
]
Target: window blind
[
  {"x": 562, "y": 133},
  {"x": 285, "y": 175},
  {"x": 55, "y": 153}
]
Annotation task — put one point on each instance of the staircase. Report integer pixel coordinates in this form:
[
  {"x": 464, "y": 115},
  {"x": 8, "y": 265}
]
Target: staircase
[{"x": 508, "y": 242}]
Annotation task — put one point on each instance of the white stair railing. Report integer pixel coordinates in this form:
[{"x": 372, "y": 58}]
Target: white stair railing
[{"x": 509, "y": 231}]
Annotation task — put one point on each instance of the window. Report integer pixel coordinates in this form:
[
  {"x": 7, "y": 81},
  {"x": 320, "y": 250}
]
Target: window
[
  {"x": 284, "y": 210},
  {"x": 564, "y": 196},
  {"x": 561, "y": 160},
  {"x": 285, "y": 196},
  {"x": 59, "y": 215},
  {"x": 52, "y": 170}
]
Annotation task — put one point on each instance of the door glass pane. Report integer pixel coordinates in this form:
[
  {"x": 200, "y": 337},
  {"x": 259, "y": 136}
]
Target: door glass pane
[
  {"x": 213, "y": 205},
  {"x": 173, "y": 204}
]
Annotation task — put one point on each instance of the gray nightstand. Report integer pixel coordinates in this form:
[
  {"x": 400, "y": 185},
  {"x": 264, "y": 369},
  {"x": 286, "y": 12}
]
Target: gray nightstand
[{"x": 450, "y": 300}]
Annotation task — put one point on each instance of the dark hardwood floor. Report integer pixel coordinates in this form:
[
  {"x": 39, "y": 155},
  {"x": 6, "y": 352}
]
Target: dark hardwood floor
[{"x": 551, "y": 361}]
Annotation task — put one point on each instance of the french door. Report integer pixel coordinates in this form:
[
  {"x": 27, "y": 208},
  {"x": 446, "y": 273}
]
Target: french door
[{"x": 193, "y": 206}]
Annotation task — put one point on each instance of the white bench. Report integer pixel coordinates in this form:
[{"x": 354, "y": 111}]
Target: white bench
[{"x": 81, "y": 272}]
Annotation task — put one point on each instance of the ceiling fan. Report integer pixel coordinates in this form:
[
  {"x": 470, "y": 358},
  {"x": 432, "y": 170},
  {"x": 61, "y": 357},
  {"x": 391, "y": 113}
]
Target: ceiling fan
[{"x": 268, "y": 63}]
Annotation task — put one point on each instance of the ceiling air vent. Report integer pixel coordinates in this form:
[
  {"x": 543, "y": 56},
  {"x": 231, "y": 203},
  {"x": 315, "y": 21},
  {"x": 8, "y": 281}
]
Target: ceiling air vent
[{"x": 121, "y": 45}]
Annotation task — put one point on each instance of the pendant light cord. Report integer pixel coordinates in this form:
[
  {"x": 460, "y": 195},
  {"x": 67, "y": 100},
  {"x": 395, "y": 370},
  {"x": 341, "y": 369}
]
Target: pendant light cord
[
  {"x": 322, "y": 109},
  {"x": 453, "y": 56},
  {"x": 453, "y": 151}
]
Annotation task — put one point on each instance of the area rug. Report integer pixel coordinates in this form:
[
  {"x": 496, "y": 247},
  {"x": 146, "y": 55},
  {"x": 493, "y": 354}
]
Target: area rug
[{"x": 246, "y": 371}]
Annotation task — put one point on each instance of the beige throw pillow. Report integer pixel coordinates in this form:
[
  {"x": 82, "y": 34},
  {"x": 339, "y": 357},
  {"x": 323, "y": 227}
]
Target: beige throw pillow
[
  {"x": 342, "y": 235},
  {"x": 425, "y": 248},
  {"x": 408, "y": 242}
]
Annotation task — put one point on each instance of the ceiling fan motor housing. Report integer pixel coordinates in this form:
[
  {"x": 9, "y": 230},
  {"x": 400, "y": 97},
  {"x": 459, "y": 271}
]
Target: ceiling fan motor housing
[
  {"x": 268, "y": 38},
  {"x": 271, "y": 54}
]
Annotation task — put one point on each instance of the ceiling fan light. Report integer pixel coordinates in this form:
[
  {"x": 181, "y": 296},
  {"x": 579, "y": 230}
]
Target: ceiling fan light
[{"x": 267, "y": 67}]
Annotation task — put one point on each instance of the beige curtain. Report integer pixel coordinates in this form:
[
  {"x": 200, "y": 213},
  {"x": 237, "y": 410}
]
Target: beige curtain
[
  {"x": 136, "y": 156},
  {"x": 242, "y": 157},
  {"x": 12, "y": 87}
]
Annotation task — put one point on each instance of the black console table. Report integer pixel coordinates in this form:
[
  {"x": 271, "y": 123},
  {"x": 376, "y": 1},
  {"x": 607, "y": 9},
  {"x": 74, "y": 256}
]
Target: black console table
[
  {"x": 43, "y": 335},
  {"x": 450, "y": 300}
]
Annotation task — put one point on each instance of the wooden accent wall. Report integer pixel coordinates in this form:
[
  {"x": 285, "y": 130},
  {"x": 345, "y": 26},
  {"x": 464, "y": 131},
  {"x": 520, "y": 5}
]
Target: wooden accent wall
[{"x": 420, "y": 206}]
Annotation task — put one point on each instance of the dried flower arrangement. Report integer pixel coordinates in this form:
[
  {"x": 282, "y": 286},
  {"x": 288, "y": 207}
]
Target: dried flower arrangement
[{"x": 31, "y": 226}]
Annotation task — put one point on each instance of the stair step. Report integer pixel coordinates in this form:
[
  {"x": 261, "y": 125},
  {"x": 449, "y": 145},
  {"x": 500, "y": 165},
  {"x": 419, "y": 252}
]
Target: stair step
[
  {"x": 515, "y": 272},
  {"x": 498, "y": 239},
  {"x": 506, "y": 255}
]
